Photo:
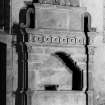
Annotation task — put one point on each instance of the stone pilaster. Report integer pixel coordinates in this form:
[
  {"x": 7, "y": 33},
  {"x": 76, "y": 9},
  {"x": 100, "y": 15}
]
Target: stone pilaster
[
  {"x": 91, "y": 48},
  {"x": 22, "y": 88}
]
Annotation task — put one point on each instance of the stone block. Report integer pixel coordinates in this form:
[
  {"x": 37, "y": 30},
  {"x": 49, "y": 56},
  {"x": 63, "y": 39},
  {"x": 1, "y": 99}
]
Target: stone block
[
  {"x": 9, "y": 81},
  {"x": 31, "y": 80},
  {"x": 10, "y": 99},
  {"x": 50, "y": 72},
  {"x": 58, "y": 17},
  {"x": 58, "y": 98}
]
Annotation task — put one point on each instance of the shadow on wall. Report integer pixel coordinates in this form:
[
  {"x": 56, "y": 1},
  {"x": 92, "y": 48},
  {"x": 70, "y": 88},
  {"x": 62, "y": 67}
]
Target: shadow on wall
[{"x": 77, "y": 79}]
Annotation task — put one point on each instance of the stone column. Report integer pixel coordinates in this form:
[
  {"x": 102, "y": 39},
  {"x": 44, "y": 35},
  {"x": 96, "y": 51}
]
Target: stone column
[
  {"x": 91, "y": 53},
  {"x": 21, "y": 92}
]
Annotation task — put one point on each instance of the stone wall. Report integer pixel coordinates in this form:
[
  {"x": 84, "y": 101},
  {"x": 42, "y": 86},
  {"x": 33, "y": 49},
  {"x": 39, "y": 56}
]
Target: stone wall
[{"x": 98, "y": 68}]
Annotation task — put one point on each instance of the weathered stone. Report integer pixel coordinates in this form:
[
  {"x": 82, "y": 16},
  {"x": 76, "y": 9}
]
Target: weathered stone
[
  {"x": 56, "y": 38},
  {"x": 91, "y": 98},
  {"x": 57, "y": 17},
  {"x": 58, "y": 98},
  {"x": 51, "y": 71},
  {"x": 10, "y": 99},
  {"x": 9, "y": 81}
]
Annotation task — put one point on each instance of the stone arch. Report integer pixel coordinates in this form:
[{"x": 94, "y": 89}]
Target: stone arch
[{"x": 77, "y": 78}]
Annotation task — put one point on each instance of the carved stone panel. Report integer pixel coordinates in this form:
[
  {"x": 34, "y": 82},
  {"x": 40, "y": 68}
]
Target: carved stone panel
[
  {"x": 56, "y": 38},
  {"x": 51, "y": 56}
]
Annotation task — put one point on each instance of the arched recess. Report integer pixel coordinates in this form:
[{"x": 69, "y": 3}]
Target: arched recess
[
  {"x": 30, "y": 17},
  {"x": 3, "y": 73},
  {"x": 77, "y": 76},
  {"x": 27, "y": 16},
  {"x": 86, "y": 22}
]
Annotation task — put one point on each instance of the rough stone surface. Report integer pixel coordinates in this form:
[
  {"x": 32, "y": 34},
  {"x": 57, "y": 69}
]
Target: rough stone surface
[
  {"x": 55, "y": 17},
  {"x": 58, "y": 98}
]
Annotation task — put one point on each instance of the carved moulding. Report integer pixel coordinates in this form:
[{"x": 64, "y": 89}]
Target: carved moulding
[
  {"x": 56, "y": 38},
  {"x": 92, "y": 37},
  {"x": 73, "y": 3}
]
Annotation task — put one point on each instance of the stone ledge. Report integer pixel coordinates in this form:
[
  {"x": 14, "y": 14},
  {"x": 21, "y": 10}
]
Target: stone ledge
[{"x": 48, "y": 6}]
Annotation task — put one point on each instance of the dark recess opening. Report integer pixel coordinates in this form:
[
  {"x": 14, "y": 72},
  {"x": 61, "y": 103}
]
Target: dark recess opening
[
  {"x": 32, "y": 21},
  {"x": 2, "y": 74},
  {"x": 32, "y": 17},
  {"x": 86, "y": 24},
  {"x": 51, "y": 87},
  {"x": 5, "y": 14}
]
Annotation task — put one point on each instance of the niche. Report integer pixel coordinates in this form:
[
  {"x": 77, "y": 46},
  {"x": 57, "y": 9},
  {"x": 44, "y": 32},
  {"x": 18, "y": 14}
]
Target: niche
[
  {"x": 87, "y": 22},
  {"x": 27, "y": 17}
]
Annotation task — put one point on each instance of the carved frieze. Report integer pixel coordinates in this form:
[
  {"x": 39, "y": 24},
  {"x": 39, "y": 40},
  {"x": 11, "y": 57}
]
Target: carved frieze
[{"x": 57, "y": 38}]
